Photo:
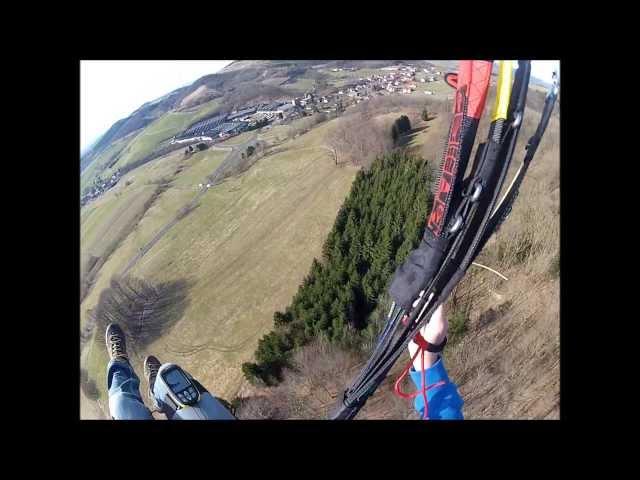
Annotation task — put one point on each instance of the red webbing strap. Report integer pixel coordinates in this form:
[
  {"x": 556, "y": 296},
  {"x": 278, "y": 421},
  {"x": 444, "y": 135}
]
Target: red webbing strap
[
  {"x": 422, "y": 346},
  {"x": 449, "y": 167}
]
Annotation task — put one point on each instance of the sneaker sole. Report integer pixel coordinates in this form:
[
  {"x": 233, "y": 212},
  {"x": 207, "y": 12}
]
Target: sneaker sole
[{"x": 147, "y": 375}]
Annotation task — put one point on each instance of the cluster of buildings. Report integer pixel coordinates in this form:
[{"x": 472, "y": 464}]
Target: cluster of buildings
[
  {"x": 392, "y": 80},
  {"x": 99, "y": 187},
  {"x": 401, "y": 79},
  {"x": 431, "y": 74},
  {"x": 312, "y": 103},
  {"x": 251, "y": 117},
  {"x": 219, "y": 126}
]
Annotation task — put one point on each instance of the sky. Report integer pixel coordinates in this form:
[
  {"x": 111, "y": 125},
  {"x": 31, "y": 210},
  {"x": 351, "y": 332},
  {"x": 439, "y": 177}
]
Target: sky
[
  {"x": 543, "y": 69},
  {"x": 113, "y": 89}
]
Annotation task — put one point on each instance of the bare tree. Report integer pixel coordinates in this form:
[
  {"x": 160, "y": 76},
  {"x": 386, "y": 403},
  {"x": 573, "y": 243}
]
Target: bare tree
[{"x": 360, "y": 138}]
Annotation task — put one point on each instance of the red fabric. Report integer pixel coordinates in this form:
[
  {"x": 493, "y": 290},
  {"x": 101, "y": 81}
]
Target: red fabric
[
  {"x": 420, "y": 341},
  {"x": 473, "y": 79},
  {"x": 478, "y": 87}
]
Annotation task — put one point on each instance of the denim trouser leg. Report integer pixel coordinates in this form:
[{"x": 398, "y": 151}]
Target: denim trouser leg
[{"x": 123, "y": 384}]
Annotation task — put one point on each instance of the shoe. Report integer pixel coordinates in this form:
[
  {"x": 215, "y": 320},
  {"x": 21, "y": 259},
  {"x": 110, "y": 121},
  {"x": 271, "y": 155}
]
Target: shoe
[
  {"x": 116, "y": 343},
  {"x": 151, "y": 367}
]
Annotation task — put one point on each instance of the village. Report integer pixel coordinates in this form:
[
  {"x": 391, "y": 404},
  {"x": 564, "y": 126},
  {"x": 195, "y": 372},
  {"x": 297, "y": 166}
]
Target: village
[
  {"x": 99, "y": 187},
  {"x": 393, "y": 80}
]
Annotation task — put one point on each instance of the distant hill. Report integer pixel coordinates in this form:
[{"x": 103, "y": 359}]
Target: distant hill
[
  {"x": 142, "y": 117},
  {"x": 200, "y": 91},
  {"x": 242, "y": 81},
  {"x": 200, "y": 95},
  {"x": 230, "y": 79}
]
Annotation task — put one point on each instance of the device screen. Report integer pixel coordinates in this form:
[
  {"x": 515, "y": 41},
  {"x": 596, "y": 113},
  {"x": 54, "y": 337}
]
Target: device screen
[{"x": 176, "y": 380}]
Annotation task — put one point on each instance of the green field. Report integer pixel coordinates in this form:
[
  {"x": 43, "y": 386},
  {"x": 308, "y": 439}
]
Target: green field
[
  {"x": 300, "y": 84},
  {"x": 109, "y": 218},
  {"x": 238, "y": 139},
  {"x": 244, "y": 251},
  {"x": 165, "y": 127},
  {"x": 439, "y": 88},
  {"x": 339, "y": 79},
  {"x": 197, "y": 167},
  {"x": 138, "y": 145}
]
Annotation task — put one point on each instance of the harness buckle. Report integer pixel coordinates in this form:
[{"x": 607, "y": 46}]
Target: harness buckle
[
  {"x": 457, "y": 224},
  {"x": 477, "y": 190}
]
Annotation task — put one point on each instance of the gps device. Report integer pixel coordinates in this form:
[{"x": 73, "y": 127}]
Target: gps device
[{"x": 179, "y": 385}]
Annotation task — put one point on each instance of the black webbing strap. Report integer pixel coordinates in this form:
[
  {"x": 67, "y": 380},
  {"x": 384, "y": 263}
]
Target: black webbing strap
[{"x": 503, "y": 210}]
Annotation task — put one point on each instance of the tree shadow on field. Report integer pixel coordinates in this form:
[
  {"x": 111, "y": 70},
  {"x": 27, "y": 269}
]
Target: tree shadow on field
[
  {"x": 417, "y": 130},
  {"x": 408, "y": 137},
  {"x": 145, "y": 311}
]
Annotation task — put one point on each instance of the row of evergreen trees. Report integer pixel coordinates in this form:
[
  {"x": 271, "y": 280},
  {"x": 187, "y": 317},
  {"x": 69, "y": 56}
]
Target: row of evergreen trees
[{"x": 380, "y": 222}]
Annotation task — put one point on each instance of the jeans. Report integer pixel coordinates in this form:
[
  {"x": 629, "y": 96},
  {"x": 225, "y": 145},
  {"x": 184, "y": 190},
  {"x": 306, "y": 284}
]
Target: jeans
[
  {"x": 125, "y": 402},
  {"x": 123, "y": 384}
]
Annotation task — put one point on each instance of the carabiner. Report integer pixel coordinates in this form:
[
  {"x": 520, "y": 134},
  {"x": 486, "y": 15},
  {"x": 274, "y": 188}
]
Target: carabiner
[{"x": 456, "y": 225}]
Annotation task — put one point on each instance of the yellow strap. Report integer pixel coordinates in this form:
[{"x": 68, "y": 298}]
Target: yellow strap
[{"x": 503, "y": 92}]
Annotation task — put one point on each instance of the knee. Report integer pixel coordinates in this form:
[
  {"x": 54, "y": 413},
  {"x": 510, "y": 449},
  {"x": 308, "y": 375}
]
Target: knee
[{"x": 126, "y": 407}]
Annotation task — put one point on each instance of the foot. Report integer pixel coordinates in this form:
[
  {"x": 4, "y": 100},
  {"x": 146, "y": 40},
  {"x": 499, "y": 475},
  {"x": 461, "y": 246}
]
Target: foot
[
  {"x": 116, "y": 343},
  {"x": 151, "y": 367}
]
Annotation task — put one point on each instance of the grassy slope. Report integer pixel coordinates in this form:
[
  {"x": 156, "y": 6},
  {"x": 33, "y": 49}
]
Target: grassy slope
[
  {"x": 163, "y": 128},
  {"x": 162, "y": 211},
  {"x": 238, "y": 139},
  {"x": 300, "y": 84},
  {"x": 507, "y": 363},
  {"x": 246, "y": 249},
  {"x": 198, "y": 166},
  {"x": 439, "y": 88},
  {"x": 338, "y": 79},
  {"x": 108, "y": 218}
]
